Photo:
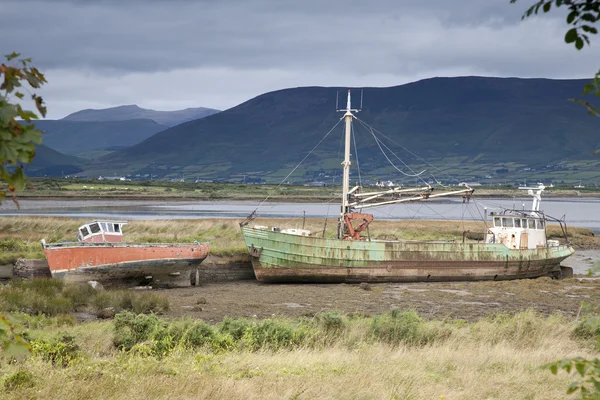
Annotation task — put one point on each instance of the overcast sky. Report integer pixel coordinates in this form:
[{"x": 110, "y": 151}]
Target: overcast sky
[{"x": 174, "y": 54}]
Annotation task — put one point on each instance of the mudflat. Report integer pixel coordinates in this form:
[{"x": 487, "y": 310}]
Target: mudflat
[{"x": 465, "y": 300}]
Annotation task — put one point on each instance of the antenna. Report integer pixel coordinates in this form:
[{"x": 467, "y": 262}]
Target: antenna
[
  {"x": 361, "y": 98},
  {"x": 337, "y": 95}
]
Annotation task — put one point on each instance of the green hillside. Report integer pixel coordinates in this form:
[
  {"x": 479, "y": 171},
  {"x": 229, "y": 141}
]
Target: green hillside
[
  {"x": 471, "y": 122},
  {"x": 49, "y": 162},
  {"x": 75, "y": 137}
]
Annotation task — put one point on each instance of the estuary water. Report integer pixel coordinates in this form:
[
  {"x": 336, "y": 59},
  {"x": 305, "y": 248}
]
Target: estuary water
[{"x": 580, "y": 212}]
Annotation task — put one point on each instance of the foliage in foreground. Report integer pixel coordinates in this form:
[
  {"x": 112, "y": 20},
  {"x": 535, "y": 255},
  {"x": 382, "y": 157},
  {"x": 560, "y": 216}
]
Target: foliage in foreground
[
  {"x": 18, "y": 140},
  {"x": 150, "y": 335}
]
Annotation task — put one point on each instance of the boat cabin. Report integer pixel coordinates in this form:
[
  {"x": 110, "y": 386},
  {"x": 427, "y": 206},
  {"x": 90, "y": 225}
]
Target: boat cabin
[
  {"x": 101, "y": 231},
  {"x": 518, "y": 231}
]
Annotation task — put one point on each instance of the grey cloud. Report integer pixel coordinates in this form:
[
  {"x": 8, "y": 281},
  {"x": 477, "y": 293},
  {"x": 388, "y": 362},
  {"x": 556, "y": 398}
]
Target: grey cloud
[
  {"x": 170, "y": 54},
  {"x": 165, "y": 35}
]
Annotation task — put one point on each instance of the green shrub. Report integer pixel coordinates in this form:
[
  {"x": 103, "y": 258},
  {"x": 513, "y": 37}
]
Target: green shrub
[
  {"x": 199, "y": 334},
  {"x": 588, "y": 328},
  {"x": 19, "y": 379},
  {"x": 149, "y": 303},
  {"x": 235, "y": 327},
  {"x": 131, "y": 329},
  {"x": 332, "y": 322},
  {"x": 402, "y": 327},
  {"x": 60, "y": 351},
  {"x": 273, "y": 334}
]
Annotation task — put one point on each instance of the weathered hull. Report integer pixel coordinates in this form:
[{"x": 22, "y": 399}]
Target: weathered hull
[
  {"x": 118, "y": 261},
  {"x": 279, "y": 257}
]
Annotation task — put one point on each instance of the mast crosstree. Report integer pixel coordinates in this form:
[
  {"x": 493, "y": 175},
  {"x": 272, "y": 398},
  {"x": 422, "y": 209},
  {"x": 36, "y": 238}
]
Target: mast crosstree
[{"x": 352, "y": 198}]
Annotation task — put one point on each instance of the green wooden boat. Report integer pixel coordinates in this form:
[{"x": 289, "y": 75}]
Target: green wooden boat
[{"x": 515, "y": 246}]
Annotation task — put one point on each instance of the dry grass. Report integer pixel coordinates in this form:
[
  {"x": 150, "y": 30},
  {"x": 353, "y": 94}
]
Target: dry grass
[
  {"x": 224, "y": 234},
  {"x": 491, "y": 359}
]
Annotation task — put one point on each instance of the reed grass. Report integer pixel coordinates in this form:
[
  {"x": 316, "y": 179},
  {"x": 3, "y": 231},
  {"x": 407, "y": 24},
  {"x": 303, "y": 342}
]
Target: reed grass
[{"x": 51, "y": 297}]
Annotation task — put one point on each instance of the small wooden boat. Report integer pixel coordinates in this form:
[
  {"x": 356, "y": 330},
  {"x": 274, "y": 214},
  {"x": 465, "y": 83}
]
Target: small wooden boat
[{"x": 100, "y": 254}]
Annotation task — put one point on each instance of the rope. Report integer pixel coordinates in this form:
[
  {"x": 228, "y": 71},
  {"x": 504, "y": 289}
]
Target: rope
[
  {"x": 298, "y": 165},
  {"x": 356, "y": 154},
  {"x": 379, "y": 143},
  {"x": 411, "y": 153}
]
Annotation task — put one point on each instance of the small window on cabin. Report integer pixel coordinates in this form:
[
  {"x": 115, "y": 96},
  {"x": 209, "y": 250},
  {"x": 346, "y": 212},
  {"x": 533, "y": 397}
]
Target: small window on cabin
[
  {"x": 540, "y": 224},
  {"x": 94, "y": 228},
  {"x": 524, "y": 223},
  {"x": 84, "y": 232},
  {"x": 507, "y": 222},
  {"x": 517, "y": 223},
  {"x": 497, "y": 222},
  {"x": 110, "y": 228},
  {"x": 532, "y": 224},
  {"x": 117, "y": 228},
  {"x": 104, "y": 227}
]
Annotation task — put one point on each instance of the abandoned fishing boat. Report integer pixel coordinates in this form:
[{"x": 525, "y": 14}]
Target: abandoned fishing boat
[
  {"x": 100, "y": 254},
  {"x": 515, "y": 244}
]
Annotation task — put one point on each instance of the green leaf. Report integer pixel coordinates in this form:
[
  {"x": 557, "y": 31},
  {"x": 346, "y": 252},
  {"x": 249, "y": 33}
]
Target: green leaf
[
  {"x": 571, "y": 35},
  {"x": 573, "y": 387},
  {"x": 554, "y": 369},
  {"x": 579, "y": 43},
  {"x": 580, "y": 367},
  {"x": 12, "y": 56},
  {"x": 547, "y": 7},
  {"x": 571, "y": 16},
  {"x": 589, "y": 17},
  {"x": 16, "y": 350}
]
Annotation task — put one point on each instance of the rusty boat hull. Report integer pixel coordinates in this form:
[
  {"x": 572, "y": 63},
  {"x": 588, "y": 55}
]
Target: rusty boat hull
[
  {"x": 280, "y": 257},
  {"x": 120, "y": 261}
]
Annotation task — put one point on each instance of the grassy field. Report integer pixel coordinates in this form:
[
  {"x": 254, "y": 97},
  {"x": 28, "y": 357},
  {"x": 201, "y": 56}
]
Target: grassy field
[
  {"x": 87, "y": 188},
  {"x": 396, "y": 355},
  {"x": 20, "y": 236}
]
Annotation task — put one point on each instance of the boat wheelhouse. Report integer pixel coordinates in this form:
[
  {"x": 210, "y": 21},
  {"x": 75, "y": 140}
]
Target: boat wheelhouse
[{"x": 101, "y": 231}]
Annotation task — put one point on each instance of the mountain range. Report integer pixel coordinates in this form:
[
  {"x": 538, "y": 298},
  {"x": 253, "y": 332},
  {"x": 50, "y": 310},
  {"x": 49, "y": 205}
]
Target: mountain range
[
  {"x": 474, "y": 120},
  {"x": 129, "y": 112},
  {"x": 461, "y": 124}
]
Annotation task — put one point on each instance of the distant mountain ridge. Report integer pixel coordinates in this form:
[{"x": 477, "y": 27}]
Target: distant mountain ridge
[
  {"x": 129, "y": 112},
  {"x": 52, "y": 163},
  {"x": 72, "y": 137},
  {"x": 477, "y": 119}
]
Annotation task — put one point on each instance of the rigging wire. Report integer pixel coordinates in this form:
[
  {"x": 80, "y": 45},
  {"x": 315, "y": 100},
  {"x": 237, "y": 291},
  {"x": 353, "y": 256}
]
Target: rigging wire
[
  {"x": 300, "y": 163},
  {"x": 410, "y": 152},
  {"x": 356, "y": 154},
  {"x": 379, "y": 143}
]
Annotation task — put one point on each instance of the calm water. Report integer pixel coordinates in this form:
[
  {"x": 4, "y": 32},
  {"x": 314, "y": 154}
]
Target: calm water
[{"x": 582, "y": 212}]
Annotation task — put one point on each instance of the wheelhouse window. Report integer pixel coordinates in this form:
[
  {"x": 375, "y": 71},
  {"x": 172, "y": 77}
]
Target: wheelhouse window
[
  {"x": 117, "y": 228},
  {"x": 517, "y": 223},
  {"x": 95, "y": 228},
  {"x": 507, "y": 222},
  {"x": 104, "y": 227},
  {"x": 523, "y": 223},
  {"x": 84, "y": 231},
  {"x": 540, "y": 224},
  {"x": 497, "y": 222},
  {"x": 532, "y": 224},
  {"x": 110, "y": 227}
]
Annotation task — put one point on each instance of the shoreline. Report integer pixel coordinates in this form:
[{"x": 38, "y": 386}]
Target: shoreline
[{"x": 278, "y": 199}]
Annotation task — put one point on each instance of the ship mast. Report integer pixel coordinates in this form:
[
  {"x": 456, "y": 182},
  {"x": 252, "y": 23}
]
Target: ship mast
[{"x": 348, "y": 116}]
